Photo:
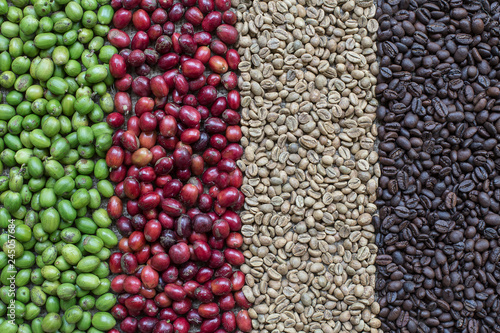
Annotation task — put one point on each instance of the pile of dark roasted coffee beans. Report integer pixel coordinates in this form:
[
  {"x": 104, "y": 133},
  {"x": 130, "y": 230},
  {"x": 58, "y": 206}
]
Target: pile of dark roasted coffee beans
[
  {"x": 268, "y": 166},
  {"x": 439, "y": 154}
]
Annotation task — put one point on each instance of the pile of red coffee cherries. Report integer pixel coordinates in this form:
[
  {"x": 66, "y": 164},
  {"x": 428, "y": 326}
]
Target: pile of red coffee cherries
[{"x": 173, "y": 160}]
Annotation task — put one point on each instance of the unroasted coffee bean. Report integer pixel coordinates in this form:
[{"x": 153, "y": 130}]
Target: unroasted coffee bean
[
  {"x": 310, "y": 165},
  {"x": 439, "y": 190}
]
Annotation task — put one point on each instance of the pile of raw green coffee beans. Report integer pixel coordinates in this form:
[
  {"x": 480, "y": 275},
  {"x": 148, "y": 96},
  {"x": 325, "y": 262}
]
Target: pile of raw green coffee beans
[{"x": 55, "y": 238}]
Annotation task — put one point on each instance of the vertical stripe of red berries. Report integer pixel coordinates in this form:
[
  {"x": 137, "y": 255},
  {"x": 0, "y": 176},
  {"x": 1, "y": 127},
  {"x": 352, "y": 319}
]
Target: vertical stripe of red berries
[{"x": 174, "y": 164}]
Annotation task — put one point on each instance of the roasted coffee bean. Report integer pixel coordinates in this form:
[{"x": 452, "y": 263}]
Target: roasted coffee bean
[{"x": 439, "y": 151}]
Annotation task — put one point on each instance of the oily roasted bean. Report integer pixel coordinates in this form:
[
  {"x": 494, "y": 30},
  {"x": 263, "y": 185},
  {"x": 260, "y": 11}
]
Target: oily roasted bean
[{"x": 437, "y": 148}]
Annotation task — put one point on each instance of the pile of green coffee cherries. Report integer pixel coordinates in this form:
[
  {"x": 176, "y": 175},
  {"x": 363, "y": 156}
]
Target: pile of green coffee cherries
[{"x": 55, "y": 238}]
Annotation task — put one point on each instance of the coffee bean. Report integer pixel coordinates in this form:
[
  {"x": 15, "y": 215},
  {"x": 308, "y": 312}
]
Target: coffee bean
[
  {"x": 439, "y": 194},
  {"x": 311, "y": 167}
]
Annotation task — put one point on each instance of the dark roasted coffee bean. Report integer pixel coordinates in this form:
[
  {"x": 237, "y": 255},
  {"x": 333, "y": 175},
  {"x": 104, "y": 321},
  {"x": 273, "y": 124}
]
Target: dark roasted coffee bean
[{"x": 439, "y": 194}]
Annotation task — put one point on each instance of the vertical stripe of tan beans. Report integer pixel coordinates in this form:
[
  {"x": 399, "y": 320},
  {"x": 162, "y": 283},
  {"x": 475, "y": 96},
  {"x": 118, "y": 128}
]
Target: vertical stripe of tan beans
[{"x": 310, "y": 165}]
